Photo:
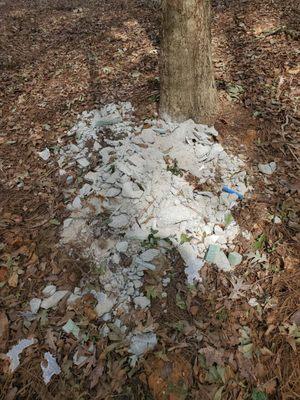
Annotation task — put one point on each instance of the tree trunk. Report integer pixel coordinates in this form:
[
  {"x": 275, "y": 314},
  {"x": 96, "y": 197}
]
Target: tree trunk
[{"x": 187, "y": 82}]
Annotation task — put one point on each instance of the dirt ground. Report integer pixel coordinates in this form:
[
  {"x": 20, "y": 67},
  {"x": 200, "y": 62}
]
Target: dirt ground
[{"x": 62, "y": 57}]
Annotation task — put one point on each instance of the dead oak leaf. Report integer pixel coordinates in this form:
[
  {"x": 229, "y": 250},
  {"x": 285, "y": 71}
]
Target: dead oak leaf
[
  {"x": 96, "y": 374},
  {"x": 239, "y": 288},
  {"x": 3, "y": 274},
  {"x": 212, "y": 355},
  {"x": 50, "y": 339},
  {"x": 4, "y": 331},
  {"x": 169, "y": 379},
  {"x": 13, "y": 280}
]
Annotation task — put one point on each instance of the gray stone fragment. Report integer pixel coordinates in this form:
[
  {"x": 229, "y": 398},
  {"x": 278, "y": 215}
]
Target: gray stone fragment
[
  {"x": 119, "y": 221},
  {"x": 53, "y": 300},
  {"x": 130, "y": 291},
  {"x": 113, "y": 192},
  {"x": 143, "y": 265},
  {"x": 83, "y": 162},
  {"x": 149, "y": 254},
  {"x": 131, "y": 190},
  {"x": 15, "y": 352},
  {"x": 69, "y": 180},
  {"x": 35, "y": 305},
  {"x": 267, "y": 169},
  {"x": 45, "y": 154},
  {"x": 212, "y": 253},
  {"x": 96, "y": 146},
  {"x": 76, "y": 204},
  {"x": 86, "y": 190},
  {"x": 71, "y": 327},
  {"x": 105, "y": 304},
  {"x": 104, "y": 330},
  {"x": 49, "y": 290},
  {"x": 109, "y": 120},
  {"x": 148, "y": 135},
  {"x": 142, "y": 302},
  {"x": 235, "y": 258},
  {"x": 166, "y": 281},
  {"x": 137, "y": 284},
  {"x": 73, "y": 298},
  {"x": 142, "y": 342},
  {"x": 106, "y": 317},
  {"x": 222, "y": 262},
  {"x": 122, "y": 247},
  {"x": 277, "y": 220},
  {"x": 52, "y": 368}
]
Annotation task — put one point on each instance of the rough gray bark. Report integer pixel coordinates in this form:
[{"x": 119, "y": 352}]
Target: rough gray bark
[{"x": 187, "y": 82}]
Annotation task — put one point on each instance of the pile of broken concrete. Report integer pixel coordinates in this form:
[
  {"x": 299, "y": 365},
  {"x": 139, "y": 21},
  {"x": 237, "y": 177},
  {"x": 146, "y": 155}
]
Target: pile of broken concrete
[{"x": 137, "y": 198}]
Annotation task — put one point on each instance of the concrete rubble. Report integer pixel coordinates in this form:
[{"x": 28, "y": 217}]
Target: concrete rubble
[
  {"x": 44, "y": 154},
  {"x": 267, "y": 169},
  {"x": 142, "y": 189},
  {"x": 51, "y": 368},
  {"x": 15, "y": 352}
]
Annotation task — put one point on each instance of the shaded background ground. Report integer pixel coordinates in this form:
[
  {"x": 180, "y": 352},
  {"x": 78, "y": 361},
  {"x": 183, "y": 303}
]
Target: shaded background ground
[{"x": 60, "y": 58}]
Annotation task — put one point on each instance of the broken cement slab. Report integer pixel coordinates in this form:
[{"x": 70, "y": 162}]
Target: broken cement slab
[
  {"x": 44, "y": 154},
  {"x": 142, "y": 302},
  {"x": 49, "y": 290},
  {"x": 105, "y": 304},
  {"x": 235, "y": 258},
  {"x": 53, "y": 300},
  {"x": 215, "y": 255},
  {"x": 35, "y": 305},
  {"x": 267, "y": 169},
  {"x": 51, "y": 368},
  {"x": 144, "y": 196},
  {"x": 141, "y": 343},
  {"x": 15, "y": 352},
  {"x": 71, "y": 327}
]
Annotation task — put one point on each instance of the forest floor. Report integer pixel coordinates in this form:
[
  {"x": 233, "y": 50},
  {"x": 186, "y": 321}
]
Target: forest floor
[{"x": 62, "y": 57}]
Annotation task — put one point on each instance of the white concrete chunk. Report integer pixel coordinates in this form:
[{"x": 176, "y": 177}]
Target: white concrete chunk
[{"x": 53, "y": 300}]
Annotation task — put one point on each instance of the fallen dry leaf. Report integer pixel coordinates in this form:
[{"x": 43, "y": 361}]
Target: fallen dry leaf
[
  {"x": 96, "y": 374},
  {"x": 13, "y": 279},
  {"x": 269, "y": 387},
  {"x": 3, "y": 274},
  {"x": 169, "y": 379},
  {"x": 4, "y": 331}
]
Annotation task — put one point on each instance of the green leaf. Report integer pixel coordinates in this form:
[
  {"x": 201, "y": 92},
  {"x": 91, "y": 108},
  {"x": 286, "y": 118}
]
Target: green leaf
[
  {"x": 178, "y": 326},
  {"x": 180, "y": 302},
  {"x": 258, "y": 395},
  {"x": 54, "y": 221},
  {"x": 184, "y": 238},
  {"x": 151, "y": 292},
  {"x": 260, "y": 242},
  {"x": 107, "y": 70},
  {"x": 228, "y": 219},
  {"x": 213, "y": 375},
  {"x": 202, "y": 361}
]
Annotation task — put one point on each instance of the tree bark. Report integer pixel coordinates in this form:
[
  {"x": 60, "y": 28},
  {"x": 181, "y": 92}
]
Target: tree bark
[{"x": 187, "y": 81}]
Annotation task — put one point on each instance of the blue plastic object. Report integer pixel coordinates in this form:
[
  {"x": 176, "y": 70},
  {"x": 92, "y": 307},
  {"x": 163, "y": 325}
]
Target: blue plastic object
[{"x": 232, "y": 191}]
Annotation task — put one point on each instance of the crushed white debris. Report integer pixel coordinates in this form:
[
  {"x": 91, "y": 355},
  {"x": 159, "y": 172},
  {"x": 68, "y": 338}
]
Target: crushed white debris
[
  {"x": 267, "y": 169},
  {"x": 137, "y": 200},
  {"x": 51, "y": 368},
  {"x": 53, "y": 300},
  {"x": 49, "y": 290},
  {"x": 44, "y": 154},
  {"x": 71, "y": 327},
  {"x": 35, "y": 305},
  {"x": 15, "y": 352},
  {"x": 142, "y": 342}
]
